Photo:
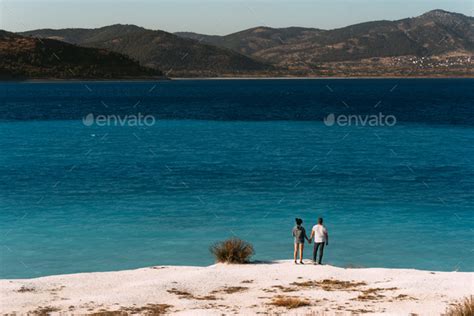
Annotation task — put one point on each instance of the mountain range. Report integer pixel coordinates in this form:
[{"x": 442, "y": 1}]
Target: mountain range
[
  {"x": 433, "y": 33},
  {"x": 159, "y": 49},
  {"x": 437, "y": 43},
  {"x": 30, "y": 58}
]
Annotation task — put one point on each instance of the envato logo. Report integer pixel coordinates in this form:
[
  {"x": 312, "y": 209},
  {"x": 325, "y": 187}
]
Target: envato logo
[
  {"x": 360, "y": 120},
  {"x": 119, "y": 120}
]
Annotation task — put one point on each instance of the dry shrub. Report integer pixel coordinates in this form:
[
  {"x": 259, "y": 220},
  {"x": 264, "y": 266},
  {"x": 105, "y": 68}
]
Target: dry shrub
[
  {"x": 180, "y": 293},
  {"x": 232, "y": 250},
  {"x": 337, "y": 285},
  {"x": 25, "y": 289},
  {"x": 189, "y": 296},
  {"x": 104, "y": 312},
  {"x": 305, "y": 284},
  {"x": 373, "y": 294},
  {"x": 289, "y": 302},
  {"x": 285, "y": 288},
  {"x": 331, "y": 285},
  {"x": 463, "y": 308},
  {"x": 44, "y": 311},
  {"x": 369, "y": 297},
  {"x": 147, "y": 310},
  {"x": 403, "y": 297},
  {"x": 230, "y": 289}
]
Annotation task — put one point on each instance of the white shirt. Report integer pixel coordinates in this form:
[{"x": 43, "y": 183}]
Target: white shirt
[{"x": 320, "y": 233}]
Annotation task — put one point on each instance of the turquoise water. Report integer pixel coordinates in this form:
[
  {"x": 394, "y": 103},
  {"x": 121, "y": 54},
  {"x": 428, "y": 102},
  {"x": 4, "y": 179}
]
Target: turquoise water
[{"x": 78, "y": 198}]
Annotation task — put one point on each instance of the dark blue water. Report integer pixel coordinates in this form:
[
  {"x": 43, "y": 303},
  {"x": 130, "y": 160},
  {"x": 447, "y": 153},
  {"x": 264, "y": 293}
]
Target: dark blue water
[{"x": 234, "y": 158}]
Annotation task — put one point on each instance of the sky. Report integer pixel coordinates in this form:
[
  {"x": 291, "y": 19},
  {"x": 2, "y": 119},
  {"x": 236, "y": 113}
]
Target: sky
[{"x": 212, "y": 16}]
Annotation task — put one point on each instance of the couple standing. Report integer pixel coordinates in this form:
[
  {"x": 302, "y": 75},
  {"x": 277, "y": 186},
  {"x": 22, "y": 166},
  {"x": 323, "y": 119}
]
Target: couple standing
[{"x": 321, "y": 238}]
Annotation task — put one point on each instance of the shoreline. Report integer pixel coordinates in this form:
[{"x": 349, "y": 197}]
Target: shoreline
[
  {"x": 320, "y": 78},
  {"x": 168, "y": 79},
  {"x": 252, "y": 288}
]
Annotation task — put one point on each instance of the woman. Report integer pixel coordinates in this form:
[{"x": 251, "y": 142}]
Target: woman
[{"x": 299, "y": 233}]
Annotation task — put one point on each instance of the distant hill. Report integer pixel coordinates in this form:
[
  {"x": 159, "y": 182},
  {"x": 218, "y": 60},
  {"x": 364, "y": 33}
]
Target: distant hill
[
  {"x": 437, "y": 43},
  {"x": 28, "y": 58},
  {"x": 250, "y": 41},
  {"x": 158, "y": 49},
  {"x": 434, "y": 33}
]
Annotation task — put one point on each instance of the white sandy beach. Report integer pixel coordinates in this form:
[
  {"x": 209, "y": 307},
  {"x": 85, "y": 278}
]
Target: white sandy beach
[{"x": 240, "y": 289}]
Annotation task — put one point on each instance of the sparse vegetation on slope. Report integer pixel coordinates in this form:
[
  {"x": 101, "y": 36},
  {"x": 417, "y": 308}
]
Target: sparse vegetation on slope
[
  {"x": 437, "y": 43},
  {"x": 433, "y": 33},
  {"x": 24, "y": 57},
  {"x": 158, "y": 49}
]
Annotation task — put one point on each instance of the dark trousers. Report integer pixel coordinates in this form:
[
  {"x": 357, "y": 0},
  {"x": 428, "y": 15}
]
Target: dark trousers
[{"x": 315, "y": 251}]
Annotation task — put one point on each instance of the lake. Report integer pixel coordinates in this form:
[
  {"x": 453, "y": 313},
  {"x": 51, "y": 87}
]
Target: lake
[{"x": 99, "y": 176}]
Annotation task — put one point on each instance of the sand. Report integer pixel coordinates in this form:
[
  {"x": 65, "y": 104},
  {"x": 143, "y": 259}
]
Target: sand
[{"x": 240, "y": 289}]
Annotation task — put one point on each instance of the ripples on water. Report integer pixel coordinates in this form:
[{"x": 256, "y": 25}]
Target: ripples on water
[{"x": 231, "y": 158}]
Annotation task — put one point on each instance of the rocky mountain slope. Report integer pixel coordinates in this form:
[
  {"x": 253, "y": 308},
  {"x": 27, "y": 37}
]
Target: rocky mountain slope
[
  {"x": 29, "y": 58},
  {"x": 433, "y": 33},
  {"x": 158, "y": 49}
]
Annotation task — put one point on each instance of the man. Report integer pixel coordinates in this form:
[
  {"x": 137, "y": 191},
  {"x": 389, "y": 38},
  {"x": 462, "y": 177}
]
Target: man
[{"x": 321, "y": 238}]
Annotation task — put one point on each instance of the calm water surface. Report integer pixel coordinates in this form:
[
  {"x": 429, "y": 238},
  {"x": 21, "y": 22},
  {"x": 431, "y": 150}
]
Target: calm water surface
[{"x": 239, "y": 158}]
